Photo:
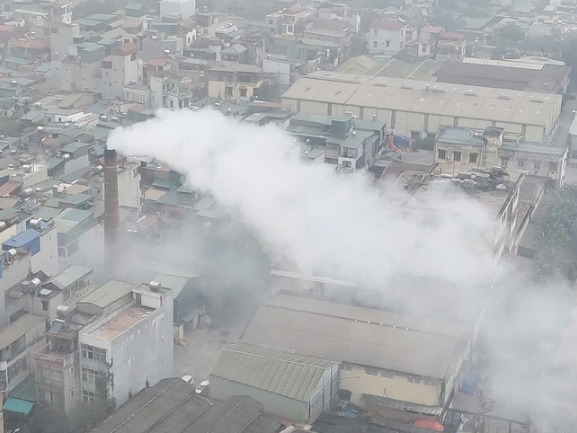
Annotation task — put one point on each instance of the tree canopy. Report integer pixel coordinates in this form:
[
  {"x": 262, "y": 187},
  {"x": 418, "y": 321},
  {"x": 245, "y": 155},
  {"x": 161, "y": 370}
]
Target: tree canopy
[{"x": 557, "y": 251}]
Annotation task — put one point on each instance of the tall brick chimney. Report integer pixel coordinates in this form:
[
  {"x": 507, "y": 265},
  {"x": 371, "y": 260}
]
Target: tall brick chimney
[{"x": 111, "y": 213}]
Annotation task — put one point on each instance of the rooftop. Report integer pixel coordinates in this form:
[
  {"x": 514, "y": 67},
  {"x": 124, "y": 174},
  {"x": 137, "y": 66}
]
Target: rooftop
[
  {"x": 388, "y": 24},
  {"x": 119, "y": 324},
  {"x": 172, "y": 406},
  {"x": 517, "y": 107},
  {"x": 69, "y": 276},
  {"x": 19, "y": 328},
  {"x": 292, "y": 375},
  {"x": 339, "y": 332},
  {"x": 107, "y": 293}
]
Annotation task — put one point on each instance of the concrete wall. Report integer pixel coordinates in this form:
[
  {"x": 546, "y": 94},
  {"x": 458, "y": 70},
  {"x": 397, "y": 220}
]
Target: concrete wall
[
  {"x": 355, "y": 379},
  {"x": 11, "y": 275},
  {"x": 46, "y": 260}
]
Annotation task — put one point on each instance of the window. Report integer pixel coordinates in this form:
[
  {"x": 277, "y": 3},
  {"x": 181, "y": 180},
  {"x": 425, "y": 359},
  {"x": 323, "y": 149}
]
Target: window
[
  {"x": 72, "y": 393},
  {"x": 473, "y": 158},
  {"x": 270, "y": 22},
  {"x": 424, "y": 49},
  {"x": 520, "y": 163},
  {"x": 93, "y": 353},
  {"x": 537, "y": 165},
  {"x": 388, "y": 43},
  {"x": 133, "y": 57},
  {"x": 44, "y": 305},
  {"x": 375, "y": 44},
  {"x": 504, "y": 162},
  {"x": 388, "y": 374},
  {"x": 228, "y": 91},
  {"x": 442, "y": 154},
  {"x": 372, "y": 371},
  {"x": 290, "y": 29},
  {"x": 413, "y": 379},
  {"x": 375, "y": 32},
  {"x": 89, "y": 397},
  {"x": 457, "y": 156},
  {"x": 71, "y": 371},
  {"x": 415, "y": 135},
  {"x": 243, "y": 93},
  {"x": 553, "y": 166}
]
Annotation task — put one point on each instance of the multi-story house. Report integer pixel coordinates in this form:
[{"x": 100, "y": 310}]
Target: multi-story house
[
  {"x": 387, "y": 37},
  {"x": 233, "y": 81},
  {"x": 121, "y": 68},
  {"x": 117, "y": 342}
]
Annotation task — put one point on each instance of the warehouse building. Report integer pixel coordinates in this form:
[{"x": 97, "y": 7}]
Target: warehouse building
[
  {"x": 289, "y": 385},
  {"x": 420, "y": 108},
  {"x": 393, "y": 360}
]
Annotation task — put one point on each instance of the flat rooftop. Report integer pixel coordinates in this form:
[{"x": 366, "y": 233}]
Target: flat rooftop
[{"x": 117, "y": 326}]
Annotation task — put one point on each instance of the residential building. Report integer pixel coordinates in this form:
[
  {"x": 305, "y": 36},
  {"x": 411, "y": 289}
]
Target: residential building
[
  {"x": 131, "y": 350},
  {"x": 233, "y": 81},
  {"x": 172, "y": 405},
  {"x": 88, "y": 356},
  {"x": 18, "y": 342},
  {"x": 411, "y": 106},
  {"x": 341, "y": 140},
  {"x": 79, "y": 236},
  {"x": 387, "y": 37},
  {"x": 121, "y": 68},
  {"x": 63, "y": 289},
  {"x": 288, "y": 385},
  {"x": 373, "y": 347},
  {"x": 438, "y": 44},
  {"x": 460, "y": 149},
  {"x": 504, "y": 74},
  {"x": 184, "y": 9}
]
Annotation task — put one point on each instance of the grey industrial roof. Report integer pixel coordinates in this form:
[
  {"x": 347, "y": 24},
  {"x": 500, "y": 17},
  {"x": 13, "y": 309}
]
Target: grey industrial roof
[
  {"x": 17, "y": 329},
  {"x": 443, "y": 99},
  {"x": 291, "y": 375},
  {"x": 69, "y": 276},
  {"x": 107, "y": 293},
  {"x": 172, "y": 406},
  {"x": 459, "y": 136},
  {"x": 534, "y": 148},
  {"x": 398, "y": 342}
]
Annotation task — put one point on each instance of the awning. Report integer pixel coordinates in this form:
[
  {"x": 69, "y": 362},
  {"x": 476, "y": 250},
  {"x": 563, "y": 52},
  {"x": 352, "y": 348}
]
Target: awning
[{"x": 16, "y": 405}]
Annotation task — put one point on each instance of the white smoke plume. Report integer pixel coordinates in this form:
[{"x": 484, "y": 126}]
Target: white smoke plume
[{"x": 323, "y": 223}]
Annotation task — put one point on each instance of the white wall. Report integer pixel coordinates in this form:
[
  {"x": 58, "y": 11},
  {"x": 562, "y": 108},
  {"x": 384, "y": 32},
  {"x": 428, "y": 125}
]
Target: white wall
[
  {"x": 47, "y": 259},
  {"x": 283, "y": 70}
]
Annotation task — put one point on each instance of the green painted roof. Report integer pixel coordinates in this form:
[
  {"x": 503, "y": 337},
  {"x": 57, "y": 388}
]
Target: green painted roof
[
  {"x": 26, "y": 390},
  {"x": 16, "y": 405},
  {"x": 293, "y": 376},
  {"x": 70, "y": 275}
]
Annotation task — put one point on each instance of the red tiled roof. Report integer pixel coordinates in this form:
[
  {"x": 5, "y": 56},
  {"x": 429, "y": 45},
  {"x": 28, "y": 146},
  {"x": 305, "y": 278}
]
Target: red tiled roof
[
  {"x": 432, "y": 29},
  {"x": 158, "y": 62},
  {"x": 9, "y": 187},
  {"x": 31, "y": 43},
  {"x": 125, "y": 50},
  {"x": 388, "y": 25}
]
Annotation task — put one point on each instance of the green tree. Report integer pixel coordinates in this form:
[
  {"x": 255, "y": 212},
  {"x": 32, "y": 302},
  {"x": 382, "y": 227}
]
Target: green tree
[
  {"x": 569, "y": 53},
  {"x": 511, "y": 32},
  {"x": 447, "y": 19},
  {"x": 557, "y": 251}
]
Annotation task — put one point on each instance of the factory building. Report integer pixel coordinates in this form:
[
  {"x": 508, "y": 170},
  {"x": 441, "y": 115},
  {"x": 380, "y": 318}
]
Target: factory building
[
  {"x": 395, "y": 361},
  {"x": 289, "y": 385},
  {"x": 419, "y": 108}
]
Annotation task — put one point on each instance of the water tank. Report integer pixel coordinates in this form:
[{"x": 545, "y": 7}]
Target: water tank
[
  {"x": 12, "y": 252},
  {"x": 34, "y": 223},
  {"x": 66, "y": 156},
  {"x": 2, "y": 225},
  {"x": 27, "y": 192},
  {"x": 62, "y": 311},
  {"x": 27, "y": 168},
  {"x": 155, "y": 286},
  {"x": 35, "y": 282}
]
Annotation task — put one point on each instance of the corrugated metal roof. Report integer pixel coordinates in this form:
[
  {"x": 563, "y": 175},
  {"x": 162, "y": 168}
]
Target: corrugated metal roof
[
  {"x": 107, "y": 293},
  {"x": 364, "y": 336},
  {"x": 70, "y": 275},
  {"x": 290, "y": 375},
  {"x": 17, "y": 329}
]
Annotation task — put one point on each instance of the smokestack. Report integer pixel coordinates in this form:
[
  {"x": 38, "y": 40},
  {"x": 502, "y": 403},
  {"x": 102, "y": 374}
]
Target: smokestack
[{"x": 111, "y": 213}]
